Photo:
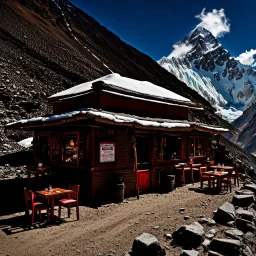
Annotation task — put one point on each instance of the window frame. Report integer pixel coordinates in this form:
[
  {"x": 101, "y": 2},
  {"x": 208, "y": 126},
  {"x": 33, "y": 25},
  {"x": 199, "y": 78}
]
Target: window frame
[
  {"x": 194, "y": 138},
  {"x": 182, "y": 136}
]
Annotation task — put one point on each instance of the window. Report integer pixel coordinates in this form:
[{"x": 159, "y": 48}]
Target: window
[
  {"x": 70, "y": 149},
  {"x": 42, "y": 148},
  {"x": 55, "y": 149},
  {"x": 172, "y": 147},
  {"x": 197, "y": 147},
  {"x": 143, "y": 150}
]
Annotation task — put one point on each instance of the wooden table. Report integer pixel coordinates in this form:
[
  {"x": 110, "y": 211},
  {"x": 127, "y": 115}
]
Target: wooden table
[
  {"x": 55, "y": 193},
  {"x": 225, "y": 168},
  {"x": 219, "y": 175}
]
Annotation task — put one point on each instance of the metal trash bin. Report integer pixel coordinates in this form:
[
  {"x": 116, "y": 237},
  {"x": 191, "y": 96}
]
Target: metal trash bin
[
  {"x": 120, "y": 187},
  {"x": 170, "y": 182}
]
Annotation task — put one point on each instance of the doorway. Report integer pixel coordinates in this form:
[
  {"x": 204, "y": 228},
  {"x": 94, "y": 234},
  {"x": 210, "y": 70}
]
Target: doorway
[{"x": 143, "y": 158}]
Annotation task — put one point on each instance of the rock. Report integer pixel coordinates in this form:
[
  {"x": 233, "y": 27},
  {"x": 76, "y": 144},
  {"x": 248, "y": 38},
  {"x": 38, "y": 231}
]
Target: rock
[
  {"x": 243, "y": 200},
  {"x": 147, "y": 244},
  {"x": 228, "y": 247},
  {"x": 156, "y": 227},
  {"x": 206, "y": 244},
  {"x": 212, "y": 253},
  {"x": 231, "y": 224},
  {"x": 182, "y": 209},
  {"x": 247, "y": 251},
  {"x": 210, "y": 234},
  {"x": 189, "y": 236},
  {"x": 244, "y": 214},
  {"x": 249, "y": 239},
  {"x": 126, "y": 254},
  {"x": 168, "y": 236},
  {"x": 189, "y": 253},
  {"x": 234, "y": 233},
  {"x": 244, "y": 192},
  {"x": 186, "y": 217},
  {"x": 245, "y": 225},
  {"x": 208, "y": 221},
  {"x": 251, "y": 187},
  {"x": 225, "y": 213}
]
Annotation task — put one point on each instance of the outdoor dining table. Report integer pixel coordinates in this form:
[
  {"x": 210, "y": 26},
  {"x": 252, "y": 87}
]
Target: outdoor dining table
[
  {"x": 51, "y": 195},
  {"x": 222, "y": 172}
]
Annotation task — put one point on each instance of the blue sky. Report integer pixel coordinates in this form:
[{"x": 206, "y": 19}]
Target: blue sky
[{"x": 154, "y": 26}]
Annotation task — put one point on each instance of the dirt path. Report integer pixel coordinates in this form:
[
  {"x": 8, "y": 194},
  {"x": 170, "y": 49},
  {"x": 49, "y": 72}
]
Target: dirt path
[{"x": 111, "y": 229}]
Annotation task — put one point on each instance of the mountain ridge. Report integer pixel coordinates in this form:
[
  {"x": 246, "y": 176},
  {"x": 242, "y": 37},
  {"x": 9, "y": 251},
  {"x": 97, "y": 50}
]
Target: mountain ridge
[{"x": 209, "y": 69}]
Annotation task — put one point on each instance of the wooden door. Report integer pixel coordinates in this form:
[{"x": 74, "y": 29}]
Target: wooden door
[{"x": 144, "y": 180}]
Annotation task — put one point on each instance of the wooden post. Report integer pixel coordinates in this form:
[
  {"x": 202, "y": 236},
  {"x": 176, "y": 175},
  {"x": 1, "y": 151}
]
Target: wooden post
[{"x": 136, "y": 171}]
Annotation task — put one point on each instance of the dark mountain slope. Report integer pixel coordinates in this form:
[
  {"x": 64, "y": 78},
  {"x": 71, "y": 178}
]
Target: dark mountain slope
[{"x": 47, "y": 46}]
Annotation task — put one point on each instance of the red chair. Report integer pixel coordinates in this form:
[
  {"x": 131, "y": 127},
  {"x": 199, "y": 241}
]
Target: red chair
[
  {"x": 73, "y": 199},
  {"x": 203, "y": 177},
  {"x": 34, "y": 206},
  {"x": 235, "y": 174},
  {"x": 227, "y": 180}
]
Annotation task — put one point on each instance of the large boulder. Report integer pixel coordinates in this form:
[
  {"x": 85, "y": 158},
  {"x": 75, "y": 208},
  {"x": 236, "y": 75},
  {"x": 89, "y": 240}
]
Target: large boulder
[
  {"x": 147, "y": 244},
  {"x": 243, "y": 200},
  {"x": 234, "y": 233},
  {"x": 225, "y": 213},
  {"x": 245, "y": 225},
  {"x": 228, "y": 247},
  {"x": 251, "y": 187},
  {"x": 244, "y": 192},
  {"x": 190, "y": 236},
  {"x": 244, "y": 214}
]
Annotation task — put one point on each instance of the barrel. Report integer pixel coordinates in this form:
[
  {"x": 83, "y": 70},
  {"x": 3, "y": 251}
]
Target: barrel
[
  {"x": 120, "y": 187},
  {"x": 170, "y": 182}
]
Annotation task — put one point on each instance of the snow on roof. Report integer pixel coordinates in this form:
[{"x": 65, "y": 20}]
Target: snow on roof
[
  {"x": 143, "y": 87},
  {"x": 115, "y": 118},
  {"x": 213, "y": 128},
  {"x": 26, "y": 143}
]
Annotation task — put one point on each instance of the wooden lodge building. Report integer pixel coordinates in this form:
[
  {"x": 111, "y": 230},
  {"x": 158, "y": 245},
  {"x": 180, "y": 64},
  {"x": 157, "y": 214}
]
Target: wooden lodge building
[{"x": 90, "y": 137}]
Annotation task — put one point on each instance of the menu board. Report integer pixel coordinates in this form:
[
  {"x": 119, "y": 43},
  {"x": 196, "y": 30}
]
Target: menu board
[{"x": 107, "y": 152}]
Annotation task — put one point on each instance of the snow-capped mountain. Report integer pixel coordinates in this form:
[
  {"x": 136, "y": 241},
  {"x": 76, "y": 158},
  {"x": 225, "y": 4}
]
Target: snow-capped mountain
[{"x": 209, "y": 69}]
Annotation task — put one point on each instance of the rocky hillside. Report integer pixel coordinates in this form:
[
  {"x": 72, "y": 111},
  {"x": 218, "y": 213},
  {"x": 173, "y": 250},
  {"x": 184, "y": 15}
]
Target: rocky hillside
[
  {"x": 47, "y": 46},
  {"x": 209, "y": 69},
  {"x": 246, "y": 124}
]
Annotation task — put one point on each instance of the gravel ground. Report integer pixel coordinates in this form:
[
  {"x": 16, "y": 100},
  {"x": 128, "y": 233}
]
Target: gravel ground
[{"x": 109, "y": 229}]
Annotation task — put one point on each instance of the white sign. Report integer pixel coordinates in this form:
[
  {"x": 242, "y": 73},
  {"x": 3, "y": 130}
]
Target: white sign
[{"x": 107, "y": 152}]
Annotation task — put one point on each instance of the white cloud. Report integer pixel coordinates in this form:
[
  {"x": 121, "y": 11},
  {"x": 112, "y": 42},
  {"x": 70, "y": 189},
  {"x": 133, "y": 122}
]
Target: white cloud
[
  {"x": 216, "y": 22},
  {"x": 248, "y": 57},
  {"x": 180, "y": 50}
]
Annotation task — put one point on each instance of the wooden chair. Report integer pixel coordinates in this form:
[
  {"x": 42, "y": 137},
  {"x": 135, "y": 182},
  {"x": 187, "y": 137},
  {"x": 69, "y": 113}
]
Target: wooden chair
[
  {"x": 235, "y": 174},
  {"x": 227, "y": 180},
  {"x": 203, "y": 177},
  {"x": 182, "y": 168},
  {"x": 34, "y": 206},
  {"x": 211, "y": 162},
  {"x": 73, "y": 199}
]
